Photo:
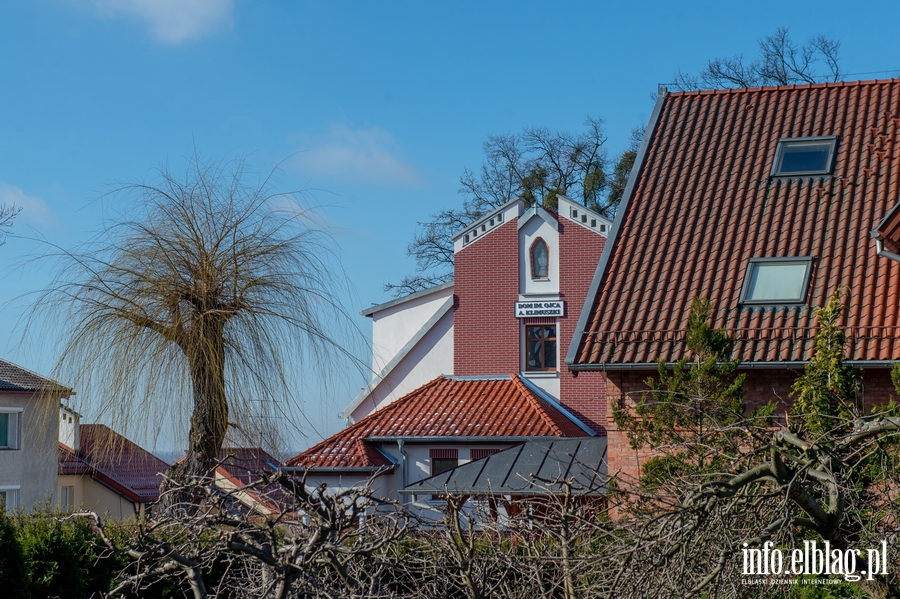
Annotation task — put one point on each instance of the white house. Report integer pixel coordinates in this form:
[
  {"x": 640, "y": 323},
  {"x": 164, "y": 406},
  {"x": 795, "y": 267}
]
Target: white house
[{"x": 28, "y": 436}]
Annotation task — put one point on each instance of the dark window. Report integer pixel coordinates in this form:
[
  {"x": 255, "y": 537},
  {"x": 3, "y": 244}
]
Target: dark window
[
  {"x": 540, "y": 347},
  {"x": 776, "y": 281},
  {"x": 540, "y": 259},
  {"x": 804, "y": 156},
  {"x": 441, "y": 465},
  {"x": 443, "y": 460}
]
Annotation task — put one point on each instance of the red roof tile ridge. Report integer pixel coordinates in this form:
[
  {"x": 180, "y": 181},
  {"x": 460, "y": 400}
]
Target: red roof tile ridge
[
  {"x": 539, "y": 404},
  {"x": 744, "y": 90}
]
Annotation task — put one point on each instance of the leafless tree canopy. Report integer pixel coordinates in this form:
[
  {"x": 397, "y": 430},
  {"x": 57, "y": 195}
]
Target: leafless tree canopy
[
  {"x": 537, "y": 165},
  {"x": 199, "y": 304},
  {"x": 7, "y": 214},
  {"x": 780, "y": 62}
]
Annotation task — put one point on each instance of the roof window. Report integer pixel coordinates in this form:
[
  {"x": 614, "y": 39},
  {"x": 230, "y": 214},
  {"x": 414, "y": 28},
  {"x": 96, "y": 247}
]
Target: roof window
[
  {"x": 804, "y": 156},
  {"x": 776, "y": 281}
]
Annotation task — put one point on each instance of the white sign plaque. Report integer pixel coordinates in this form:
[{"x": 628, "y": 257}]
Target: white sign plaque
[{"x": 539, "y": 309}]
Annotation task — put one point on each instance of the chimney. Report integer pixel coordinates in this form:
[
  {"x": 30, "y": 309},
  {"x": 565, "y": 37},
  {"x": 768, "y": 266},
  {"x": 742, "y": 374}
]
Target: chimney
[{"x": 69, "y": 421}]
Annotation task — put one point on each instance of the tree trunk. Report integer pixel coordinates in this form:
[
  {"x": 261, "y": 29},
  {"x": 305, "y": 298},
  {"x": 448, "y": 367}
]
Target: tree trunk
[{"x": 209, "y": 420}]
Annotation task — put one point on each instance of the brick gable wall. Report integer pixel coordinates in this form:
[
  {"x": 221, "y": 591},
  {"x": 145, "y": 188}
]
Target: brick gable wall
[
  {"x": 579, "y": 253},
  {"x": 486, "y": 286}
]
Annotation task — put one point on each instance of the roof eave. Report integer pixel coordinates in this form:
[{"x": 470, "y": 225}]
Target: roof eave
[
  {"x": 406, "y": 298},
  {"x": 460, "y": 438},
  {"x": 338, "y": 469},
  {"x": 775, "y": 365}
]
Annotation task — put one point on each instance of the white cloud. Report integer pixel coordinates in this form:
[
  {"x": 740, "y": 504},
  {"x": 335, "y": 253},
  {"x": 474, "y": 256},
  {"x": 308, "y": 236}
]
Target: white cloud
[
  {"x": 35, "y": 211},
  {"x": 173, "y": 21},
  {"x": 359, "y": 155}
]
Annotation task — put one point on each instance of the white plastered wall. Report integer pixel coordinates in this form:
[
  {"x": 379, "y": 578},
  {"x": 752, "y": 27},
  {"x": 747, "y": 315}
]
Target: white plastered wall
[
  {"x": 393, "y": 327},
  {"x": 531, "y": 289},
  {"x": 534, "y": 228},
  {"x": 412, "y": 344},
  {"x": 430, "y": 358},
  {"x": 31, "y": 467}
]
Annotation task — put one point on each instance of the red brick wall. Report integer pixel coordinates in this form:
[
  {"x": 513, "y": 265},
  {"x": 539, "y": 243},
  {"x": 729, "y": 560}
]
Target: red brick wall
[
  {"x": 760, "y": 386},
  {"x": 486, "y": 285},
  {"x": 579, "y": 253}
]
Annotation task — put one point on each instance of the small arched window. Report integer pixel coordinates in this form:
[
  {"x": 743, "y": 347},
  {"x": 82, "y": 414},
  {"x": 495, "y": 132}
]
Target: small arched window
[{"x": 540, "y": 259}]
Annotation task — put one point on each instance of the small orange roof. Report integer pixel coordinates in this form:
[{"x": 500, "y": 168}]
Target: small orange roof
[{"x": 445, "y": 407}]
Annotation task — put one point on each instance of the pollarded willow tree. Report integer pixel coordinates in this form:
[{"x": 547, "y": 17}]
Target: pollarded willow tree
[{"x": 202, "y": 301}]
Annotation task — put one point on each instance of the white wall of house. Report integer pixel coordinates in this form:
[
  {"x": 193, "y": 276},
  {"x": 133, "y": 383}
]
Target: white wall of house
[
  {"x": 69, "y": 421},
  {"x": 431, "y": 357},
  {"x": 532, "y": 228},
  {"x": 382, "y": 486},
  {"x": 393, "y": 327},
  {"x": 28, "y": 465},
  {"x": 412, "y": 341},
  {"x": 99, "y": 498}
]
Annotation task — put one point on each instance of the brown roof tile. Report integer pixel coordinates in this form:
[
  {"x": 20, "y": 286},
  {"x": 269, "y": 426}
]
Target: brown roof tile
[
  {"x": 114, "y": 460},
  {"x": 16, "y": 378},
  {"x": 445, "y": 407},
  {"x": 704, "y": 204}
]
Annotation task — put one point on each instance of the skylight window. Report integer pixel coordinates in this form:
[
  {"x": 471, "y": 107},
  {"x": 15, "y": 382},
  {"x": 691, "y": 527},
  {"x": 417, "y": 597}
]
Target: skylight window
[
  {"x": 776, "y": 281},
  {"x": 804, "y": 156}
]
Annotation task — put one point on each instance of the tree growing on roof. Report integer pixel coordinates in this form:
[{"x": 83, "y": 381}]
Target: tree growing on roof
[
  {"x": 536, "y": 165},
  {"x": 780, "y": 62},
  {"x": 200, "y": 302}
]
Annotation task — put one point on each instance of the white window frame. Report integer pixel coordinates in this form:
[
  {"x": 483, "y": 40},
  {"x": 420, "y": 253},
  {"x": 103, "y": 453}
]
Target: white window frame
[
  {"x": 541, "y": 372},
  {"x": 67, "y": 497},
  {"x": 12, "y": 496},
  {"x": 14, "y": 434},
  {"x": 751, "y": 269},
  {"x": 788, "y": 142}
]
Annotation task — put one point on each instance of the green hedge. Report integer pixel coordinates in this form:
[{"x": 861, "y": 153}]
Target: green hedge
[{"x": 43, "y": 556}]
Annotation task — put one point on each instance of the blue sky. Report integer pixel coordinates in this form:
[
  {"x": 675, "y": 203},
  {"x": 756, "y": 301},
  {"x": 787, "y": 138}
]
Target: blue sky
[{"x": 375, "y": 108}]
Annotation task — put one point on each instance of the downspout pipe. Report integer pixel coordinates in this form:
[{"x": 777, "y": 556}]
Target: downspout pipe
[
  {"x": 879, "y": 246},
  {"x": 404, "y": 460}
]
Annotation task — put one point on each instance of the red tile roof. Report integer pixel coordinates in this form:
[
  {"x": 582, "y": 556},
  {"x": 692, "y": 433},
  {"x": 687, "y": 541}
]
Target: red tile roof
[
  {"x": 115, "y": 461},
  {"x": 70, "y": 463},
  {"x": 16, "y": 378},
  {"x": 242, "y": 466},
  {"x": 445, "y": 407},
  {"x": 704, "y": 203}
]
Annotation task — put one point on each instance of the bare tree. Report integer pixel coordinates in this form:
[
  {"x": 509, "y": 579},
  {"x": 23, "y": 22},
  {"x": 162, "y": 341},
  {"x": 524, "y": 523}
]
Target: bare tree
[
  {"x": 8, "y": 213},
  {"x": 199, "y": 305},
  {"x": 537, "y": 165},
  {"x": 291, "y": 541},
  {"x": 780, "y": 62},
  {"x": 723, "y": 482}
]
